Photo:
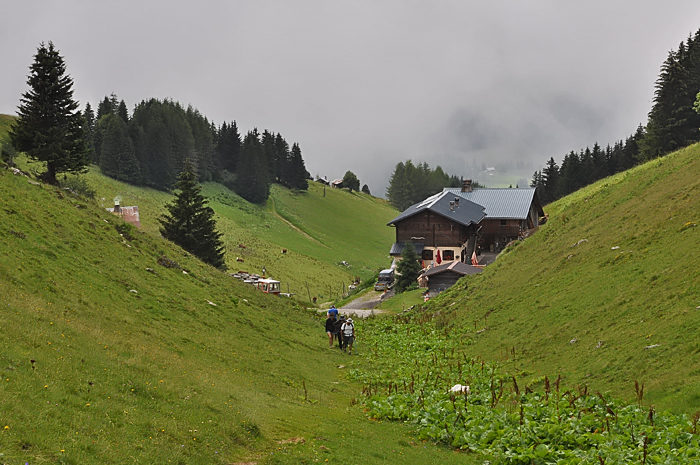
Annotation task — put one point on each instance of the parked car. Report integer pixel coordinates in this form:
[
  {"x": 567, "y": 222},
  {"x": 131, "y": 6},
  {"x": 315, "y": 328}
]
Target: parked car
[{"x": 385, "y": 280}]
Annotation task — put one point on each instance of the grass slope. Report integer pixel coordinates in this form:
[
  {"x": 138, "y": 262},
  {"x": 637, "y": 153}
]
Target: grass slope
[
  {"x": 108, "y": 356},
  {"x": 615, "y": 270},
  {"x": 319, "y": 231}
]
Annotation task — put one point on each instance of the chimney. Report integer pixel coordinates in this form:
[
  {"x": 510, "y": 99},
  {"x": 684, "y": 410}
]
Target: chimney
[
  {"x": 467, "y": 185},
  {"x": 117, "y": 209},
  {"x": 457, "y": 202}
]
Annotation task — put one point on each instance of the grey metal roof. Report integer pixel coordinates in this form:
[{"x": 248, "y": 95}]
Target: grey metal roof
[
  {"x": 501, "y": 203},
  {"x": 455, "y": 266},
  {"x": 397, "y": 248},
  {"x": 465, "y": 212}
]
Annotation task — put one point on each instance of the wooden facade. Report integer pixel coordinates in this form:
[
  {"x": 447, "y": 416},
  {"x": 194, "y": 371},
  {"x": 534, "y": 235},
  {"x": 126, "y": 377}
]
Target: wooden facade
[{"x": 433, "y": 230}]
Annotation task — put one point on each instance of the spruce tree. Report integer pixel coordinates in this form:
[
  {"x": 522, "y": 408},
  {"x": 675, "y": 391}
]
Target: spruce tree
[
  {"x": 550, "y": 182},
  {"x": 50, "y": 126},
  {"x": 408, "y": 269},
  {"x": 190, "y": 221},
  {"x": 118, "y": 159},
  {"x": 123, "y": 112},
  {"x": 228, "y": 146},
  {"x": 90, "y": 125},
  {"x": 399, "y": 190},
  {"x": 280, "y": 168},
  {"x": 252, "y": 177},
  {"x": 297, "y": 174}
]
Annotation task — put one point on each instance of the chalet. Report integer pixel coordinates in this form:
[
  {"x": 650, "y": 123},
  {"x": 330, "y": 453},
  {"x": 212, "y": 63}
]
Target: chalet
[
  {"x": 458, "y": 221},
  {"x": 444, "y": 224}
]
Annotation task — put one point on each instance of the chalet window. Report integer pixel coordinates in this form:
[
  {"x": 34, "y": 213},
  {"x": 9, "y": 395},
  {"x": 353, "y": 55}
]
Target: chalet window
[
  {"x": 503, "y": 222},
  {"x": 427, "y": 254},
  {"x": 448, "y": 255}
]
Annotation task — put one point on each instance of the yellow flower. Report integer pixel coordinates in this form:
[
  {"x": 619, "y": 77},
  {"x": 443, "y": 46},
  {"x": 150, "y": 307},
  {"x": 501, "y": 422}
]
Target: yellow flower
[{"x": 7, "y": 427}]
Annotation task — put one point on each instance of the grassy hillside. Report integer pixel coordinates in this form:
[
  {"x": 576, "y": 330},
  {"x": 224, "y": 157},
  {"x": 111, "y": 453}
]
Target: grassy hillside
[
  {"x": 319, "y": 232},
  {"x": 606, "y": 293},
  {"x": 109, "y": 354}
]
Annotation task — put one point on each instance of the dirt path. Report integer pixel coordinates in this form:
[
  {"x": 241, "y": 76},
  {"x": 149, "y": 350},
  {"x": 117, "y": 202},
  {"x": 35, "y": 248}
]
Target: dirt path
[{"x": 363, "y": 306}]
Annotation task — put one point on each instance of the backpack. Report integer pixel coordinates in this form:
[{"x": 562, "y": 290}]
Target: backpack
[{"x": 348, "y": 329}]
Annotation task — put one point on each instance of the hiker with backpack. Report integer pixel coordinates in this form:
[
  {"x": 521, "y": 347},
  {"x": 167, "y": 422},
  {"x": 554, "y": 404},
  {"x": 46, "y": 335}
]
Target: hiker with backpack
[
  {"x": 330, "y": 330},
  {"x": 337, "y": 332},
  {"x": 347, "y": 331}
]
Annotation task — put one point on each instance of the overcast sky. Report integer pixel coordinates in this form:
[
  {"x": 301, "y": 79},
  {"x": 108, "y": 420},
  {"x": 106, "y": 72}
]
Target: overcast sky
[{"x": 362, "y": 85}]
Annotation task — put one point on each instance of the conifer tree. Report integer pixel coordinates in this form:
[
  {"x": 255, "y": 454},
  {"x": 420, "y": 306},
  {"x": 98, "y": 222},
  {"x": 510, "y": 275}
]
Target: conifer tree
[
  {"x": 365, "y": 189},
  {"x": 400, "y": 188},
  {"x": 408, "y": 269},
  {"x": 297, "y": 174},
  {"x": 50, "y": 126},
  {"x": 118, "y": 159},
  {"x": 123, "y": 112},
  {"x": 203, "y": 137},
  {"x": 280, "y": 168},
  {"x": 550, "y": 181},
  {"x": 190, "y": 221},
  {"x": 89, "y": 126},
  {"x": 228, "y": 146},
  {"x": 252, "y": 178}
]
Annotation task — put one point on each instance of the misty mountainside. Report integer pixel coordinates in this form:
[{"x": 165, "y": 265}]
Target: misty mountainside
[{"x": 605, "y": 293}]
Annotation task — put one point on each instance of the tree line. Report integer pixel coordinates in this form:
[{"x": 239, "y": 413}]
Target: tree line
[
  {"x": 410, "y": 184},
  {"x": 673, "y": 123},
  {"x": 149, "y": 147}
]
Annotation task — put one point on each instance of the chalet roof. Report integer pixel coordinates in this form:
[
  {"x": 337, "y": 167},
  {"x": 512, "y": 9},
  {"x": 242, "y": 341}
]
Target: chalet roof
[
  {"x": 501, "y": 203},
  {"x": 397, "y": 248},
  {"x": 455, "y": 266},
  {"x": 465, "y": 212}
]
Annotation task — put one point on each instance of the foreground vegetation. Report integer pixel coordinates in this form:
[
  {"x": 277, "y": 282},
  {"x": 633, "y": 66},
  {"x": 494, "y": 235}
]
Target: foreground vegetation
[{"x": 412, "y": 362}]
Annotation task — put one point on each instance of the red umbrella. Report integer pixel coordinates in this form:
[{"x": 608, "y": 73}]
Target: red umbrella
[{"x": 438, "y": 259}]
